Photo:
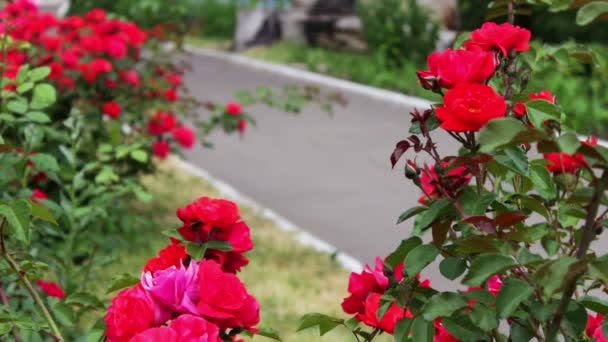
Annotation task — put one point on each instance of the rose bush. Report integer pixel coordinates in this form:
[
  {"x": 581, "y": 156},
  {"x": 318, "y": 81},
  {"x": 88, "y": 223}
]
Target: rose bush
[
  {"x": 184, "y": 294},
  {"x": 512, "y": 230}
]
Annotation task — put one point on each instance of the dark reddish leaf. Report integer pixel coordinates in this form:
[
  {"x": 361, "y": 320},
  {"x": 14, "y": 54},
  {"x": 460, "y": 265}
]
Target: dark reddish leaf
[
  {"x": 483, "y": 223},
  {"x": 440, "y": 232},
  {"x": 510, "y": 219},
  {"x": 400, "y": 149},
  {"x": 470, "y": 160}
]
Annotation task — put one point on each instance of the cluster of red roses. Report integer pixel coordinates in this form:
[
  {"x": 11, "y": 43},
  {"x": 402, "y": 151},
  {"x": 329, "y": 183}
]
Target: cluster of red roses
[
  {"x": 183, "y": 299},
  {"x": 97, "y": 58},
  {"x": 470, "y": 103},
  {"x": 367, "y": 288}
]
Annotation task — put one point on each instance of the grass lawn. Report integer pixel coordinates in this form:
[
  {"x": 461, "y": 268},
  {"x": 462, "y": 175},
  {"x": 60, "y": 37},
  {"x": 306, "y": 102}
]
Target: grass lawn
[{"x": 289, "y": 280}]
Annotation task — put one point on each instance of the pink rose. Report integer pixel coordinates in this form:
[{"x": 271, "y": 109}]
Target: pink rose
[
  {"x": 161, "y": 334},
  {"x": 174, "y": 287},
  {"x": 195, "y": 329}
]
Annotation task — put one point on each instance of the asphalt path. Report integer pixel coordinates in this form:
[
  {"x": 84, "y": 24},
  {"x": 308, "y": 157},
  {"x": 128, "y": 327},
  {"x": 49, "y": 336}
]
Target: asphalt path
[{"x": 329, "y": 175}]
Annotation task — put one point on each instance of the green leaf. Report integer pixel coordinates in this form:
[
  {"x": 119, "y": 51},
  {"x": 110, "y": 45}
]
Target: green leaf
[
  {"x": 106, "y": 175},
  {"x": 196, "y": 251},
  {"x": 568, "y": 142},
  {"x": 25, "y": 87},
  {"x": 43, "y": 213},
  {"x": 443, "y": 304},
  {"x": 541, "y": 110},
  {"x": 64, "y": 314},
  {"x": 574, "y": 320},
  {"x": 17, "y": 106},
  {"x": 484, "y": 317},
  {"x": 44, "y": 162},
  {"x": 324, "y": 322},
  {"x": 543, "y": 182},
  {"x": 122, "y": 281},
  {"x": 419, "y": 258},
  {"x": 481, "y": 296},
  {"x": 220, "y": 245},
  {"x": 38, "y": 117},
  {"x": 485, "y": 266},
  {"x": 139, "y": 155},
  {"x": 499, "y": 132},
  {"x": 518, "y": 159},
  {"x": 461, "y": 327},
  {"x": 39, "y": 73},
  {"x": 511, "y": 294},
  {"x": 406, "y": 246},
  {"x": 5, "y": 328},
  {"x": 17, "y": 216},
  {"x": 598, "y": 269},
  {"x": 43, "y": 96},
  {"x": 434, "y": 211},
  {"x": 270, "y": 333},
  {"x": 402, "y": 329},
  {"x": 552, "y": 274},
  {"x": 452, "y": 268},
  {"x": 86, "y": 300},
  {"x": 594, "y": 304},
  {"x": 422, "y": 331},
  {"x": 410, "y": 213},
  {"x": 591, "y": 11}
]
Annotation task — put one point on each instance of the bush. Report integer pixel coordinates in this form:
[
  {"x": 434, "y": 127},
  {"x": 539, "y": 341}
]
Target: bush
[
  {"x": 214, "y": 18},
  {"x": 398, "y": 32}
]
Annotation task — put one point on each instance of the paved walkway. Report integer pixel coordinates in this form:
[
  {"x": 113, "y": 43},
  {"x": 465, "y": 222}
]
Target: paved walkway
[{"x": 329, "y": 175}]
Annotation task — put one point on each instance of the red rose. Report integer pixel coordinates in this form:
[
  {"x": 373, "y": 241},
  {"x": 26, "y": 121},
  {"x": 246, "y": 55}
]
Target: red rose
[
  {"x": 70, "y": 58},
  {"x": 161, "y": 149},
  {"x": 224, "y": 298},
  {"x": 56, "y": 70},
  {"x": 112, "y": 109},
  {"x": 171, "y": 94},
  {"x": 190, "y": 328},
  {"x": 185, "y": 136},
  {"x": 504, "y": 37},
  {"x": 172, "y": 255},
  {"x": 51, "y": 289},
  {"x": 441, "y": 333},
  {"x": 456, "y": 178},
  {"x": 131, "y": 77},
  {"x": 131, "y": 312},
  {"x": 160, "y": 334},
  {"x": 174, "y": 78},
  {"x": 452, "y": 67},
  {"x": 520, "y": 108},
  {"x": 238, "y": 235},
  {"x": 110, "y": 83},
  {"x": 38, "y": 194},
  {"x": 161, "y": 123},
  {"x": 560, "y": 162},
  {"x": 115, "y": 47},
  {"x": 210, "y": 212},
  {"x": 95, "y": 15},
  {"x": 233, "y": 108},
  {"x": 242, "y": 125},
  {"x": 469, "y": 106},
  {"x": 594, "y": 327},
  {"x": 390, "y": 318}
]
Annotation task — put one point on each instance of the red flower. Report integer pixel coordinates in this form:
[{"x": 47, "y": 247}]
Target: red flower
[
  {"x": 112, "y": 109},
  {"x": 566, "y": 163},
  {"x": 233, "y": 108},
  {"x": 452, "y": 67},
  {"x": 456, "y": 178},
  {"x": 161, "y": 123},
  {"x": 361, "y": 285},
  {"x": 115, "y": 47},
  {"x": 190, "y": 328},
  {"x": 209, "y": 213},
  {"x": 390, "y": 318},
  {"x": 110, "y": 83},
  {"x": 238, "y": 235},
  {"x": 504, "y": 37},
  {"x": 159, "y": 334},
  {"x": 172, "y": 255},
  {"x": 469, "y": 106},
  {"x": 441, "y": 333},
  {"x": 38, "y": 194},
  {"x": 224, "y": 298},
  {"x": 594, "y": 327},
  {"x": 242, "y": 126},
  {"x": 185, "y": 136},
  {"x": 131, "y": 312},
  {"x": 174, "y": 78},
  {"x": 51, "y": 289},
  {"x": 494, "y": 284},
  {"x": 94, "y": 68},
  {"x": 171, "y": 94},
  {"x": 161, "y": 149},
  {"x": 131, "y": 77},
  {"x": 520, "y": 108},
  {"x": 56, "y": 70},
  {"x": 95, "y": 15}
]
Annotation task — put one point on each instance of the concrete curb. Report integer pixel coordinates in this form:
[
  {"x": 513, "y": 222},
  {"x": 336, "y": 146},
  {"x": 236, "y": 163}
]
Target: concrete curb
[
  {"x": 287, "y": 71},
  {"x": 303, "y": 237}
]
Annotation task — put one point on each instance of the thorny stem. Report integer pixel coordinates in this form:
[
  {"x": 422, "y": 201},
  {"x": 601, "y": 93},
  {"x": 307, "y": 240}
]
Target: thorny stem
[
  {"x": 586, "y": 239},
  {"x": 28, "y": 285}
]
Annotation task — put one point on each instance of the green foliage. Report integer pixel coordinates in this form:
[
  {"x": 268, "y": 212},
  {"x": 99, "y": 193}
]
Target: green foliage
[
  {"x": 213, "y": 18},
  {"x": 398, "y": 32}
]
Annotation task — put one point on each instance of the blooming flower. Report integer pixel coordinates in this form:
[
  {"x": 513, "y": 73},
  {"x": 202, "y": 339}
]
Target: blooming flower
[
  {"x": 161, "y": 123},
  {"x": 185, "y": 136},
  {"x": 469, "y": 106},
  {"x": 502, "y": 37},
  {"x": 112, "y": 109},
  {"x": 453, "y": 67},
  {"x": 174, "y": 287},
  {"x": 161, "y": 149},
  {"x": 233, "y": 108},
  {"x": 520, "y": 108}
]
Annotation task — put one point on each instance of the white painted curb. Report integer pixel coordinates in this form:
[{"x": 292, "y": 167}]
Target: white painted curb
[
  {"x": 287, "y": 71},
  {"x": 303, "y": 237}
]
